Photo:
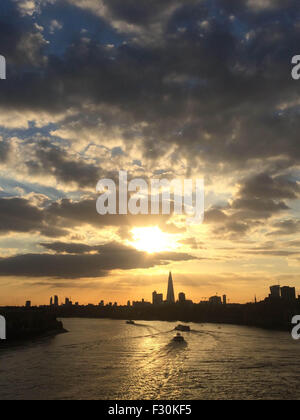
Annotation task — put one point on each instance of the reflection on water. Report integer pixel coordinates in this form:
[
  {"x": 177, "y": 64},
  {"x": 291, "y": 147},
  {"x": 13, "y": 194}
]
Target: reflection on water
[{"x": 107, "y": 359}]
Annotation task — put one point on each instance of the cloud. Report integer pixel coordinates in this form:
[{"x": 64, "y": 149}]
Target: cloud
[
  {"x": 192, "y": 243},
  {"x": 51, "y": 160},
  {"x": 75, "y": 213},
  {"x": 261, "y": 196},
  {"x": 4, "y": 150},
  {"x": 19, "y": 215},
  {"x": 278, "y": 253},
  {"x": 29, "y": 7},
  {"x": 212, "y": 91},
  {"x": 55, "y": 25},
  {"x": 57, "y": 218},
  {"x": 258, "y": 198},
  {"x": 285, "y": 227},
  {"x": 70, "y": 248},
  {"x": 263, "y": 186},
  {"x": 81, "y": 265},
  {"x": 263, "y": 4}
]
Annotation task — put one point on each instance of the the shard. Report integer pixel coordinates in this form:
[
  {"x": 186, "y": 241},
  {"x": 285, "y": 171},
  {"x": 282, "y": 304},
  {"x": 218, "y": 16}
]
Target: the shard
[{"x": 170, "y": 294}]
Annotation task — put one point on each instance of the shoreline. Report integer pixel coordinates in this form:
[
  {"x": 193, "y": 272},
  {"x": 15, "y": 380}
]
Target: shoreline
[
  {"x": 267, "y": 328},
  {"x": 28, "y": 325},
  {"x": 18, "y": 342},
  {"x": 271, "y": 315}
]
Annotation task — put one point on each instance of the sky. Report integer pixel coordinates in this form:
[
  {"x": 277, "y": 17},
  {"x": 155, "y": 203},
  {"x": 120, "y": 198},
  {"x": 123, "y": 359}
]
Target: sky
[{"x": 181, "y": 89}]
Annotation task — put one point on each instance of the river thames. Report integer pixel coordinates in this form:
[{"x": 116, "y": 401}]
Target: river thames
[{"x": 108, "y": 359}]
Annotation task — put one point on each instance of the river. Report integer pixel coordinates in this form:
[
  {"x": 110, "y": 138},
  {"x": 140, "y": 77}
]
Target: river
[{"x": 108, "y": 359}]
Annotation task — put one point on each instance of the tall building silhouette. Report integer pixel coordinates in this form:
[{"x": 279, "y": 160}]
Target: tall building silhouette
[
  {"x": 170, "y": 294},
  {"x": 288, "y": 293},
  {"x": 181, "y": 297},
  {"x": 157, "y": 298},
  {"x": 275, "y": 292}
]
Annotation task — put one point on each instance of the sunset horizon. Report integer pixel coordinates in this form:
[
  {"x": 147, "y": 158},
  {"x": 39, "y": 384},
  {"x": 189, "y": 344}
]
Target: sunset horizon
[{"x": 182, "y": 283}]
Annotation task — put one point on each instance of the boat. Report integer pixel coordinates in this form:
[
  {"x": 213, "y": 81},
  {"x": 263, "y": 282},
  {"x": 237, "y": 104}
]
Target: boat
[
  {"x": 185, "y": 328},
  {"x": 178, "y": 338},
  {"x": 130, "y": 322}
]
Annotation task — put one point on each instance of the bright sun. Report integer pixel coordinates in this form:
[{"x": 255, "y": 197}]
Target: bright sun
[{"x": 152, "y": 239}]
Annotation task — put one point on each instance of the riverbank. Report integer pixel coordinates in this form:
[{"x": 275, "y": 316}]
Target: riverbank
[
  {"x": 270, "y": 316},
  {"x": 24, "y": 325}
]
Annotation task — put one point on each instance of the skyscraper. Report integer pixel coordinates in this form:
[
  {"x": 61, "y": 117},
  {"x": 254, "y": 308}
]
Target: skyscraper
[
  {"x": 181, "y": 297},
  {"x": 288, "y": 293},
  {"x": 275, "y": 292},
  {"x": 215, "y": 300},
  {"x": 170, "y": 294},
  {"x": 154, "y": 297},
  {"x": 157, "y": 298}
]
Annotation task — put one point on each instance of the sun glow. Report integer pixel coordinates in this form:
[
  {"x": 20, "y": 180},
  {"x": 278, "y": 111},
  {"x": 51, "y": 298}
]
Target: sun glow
[{"x": 152, "y": 239}]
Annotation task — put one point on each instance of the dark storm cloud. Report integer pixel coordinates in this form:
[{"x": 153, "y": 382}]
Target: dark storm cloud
[
  {"x": 259, "y": 206},
  {"x": 232, "y": 229},
  {"x": 52, "y": 160},
  {"x": 19, "y": 215},
  {"x": 74, "y": 213},
  {"x": 109, "y": 257},
  {"x": 4, "y": 150},
  {"x": 12, "y": 28},
  {"x": 58, "y": 218},
  {"x": 261, "y": 196},
  {"x": 265, "y": 187},
  {"x": 79, "y": 248},
  {"x": 69, "y": 248},
  {"x": 142, "y": 12},
  {"x": 47, "y": 265},
  {"x": 21, "y": 42},
  {"x": 219, "y": 70},
  {"x": 258, "y": 199}
]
